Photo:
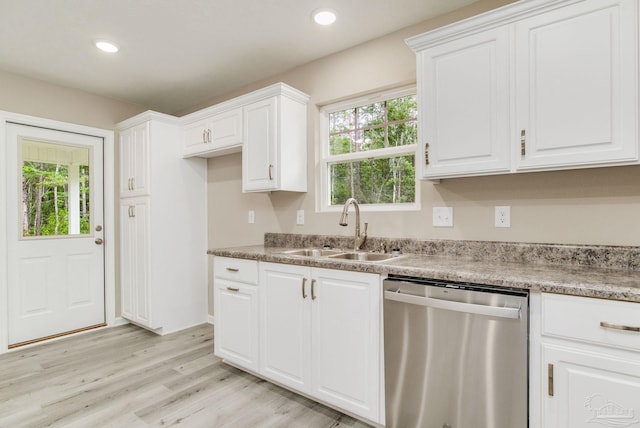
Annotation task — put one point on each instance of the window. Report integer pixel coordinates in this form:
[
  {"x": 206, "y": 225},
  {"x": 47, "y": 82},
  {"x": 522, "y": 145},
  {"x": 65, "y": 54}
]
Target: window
[{"x": 368, "y": 152}]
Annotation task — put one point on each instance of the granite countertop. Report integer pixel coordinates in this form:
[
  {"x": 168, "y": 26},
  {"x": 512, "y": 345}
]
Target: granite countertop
[{"x": 578, "y": 280}]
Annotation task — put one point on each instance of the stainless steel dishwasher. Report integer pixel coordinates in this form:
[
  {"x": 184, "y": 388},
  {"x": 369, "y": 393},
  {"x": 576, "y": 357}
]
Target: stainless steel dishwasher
[{"x": 456, "y": 354}]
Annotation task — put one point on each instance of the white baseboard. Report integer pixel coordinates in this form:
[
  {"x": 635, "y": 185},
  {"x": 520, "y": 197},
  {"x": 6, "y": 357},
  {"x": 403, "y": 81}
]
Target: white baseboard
[
  {"x": 211, "y": 319},
  {"x": 119, "y": 321}
]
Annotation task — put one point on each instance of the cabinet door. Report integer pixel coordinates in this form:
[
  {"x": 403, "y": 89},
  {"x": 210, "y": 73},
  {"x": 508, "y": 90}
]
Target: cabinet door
[
  {"x": 576, "y": 84},
  {"x": 346, "y": 340},
  {"x": 590, "y": 389},
  {"x": 195, "y": 137},
  {"x": 135, "y": 261},
  {"x": 214, "y": 135},
  {"x": 259, "y": 156},
  {"x": 236, "y": 329},
  {"x": 464, "y": 106},
  {"x": 285, "y": 331},
  {"x": 134, "y": 161}
]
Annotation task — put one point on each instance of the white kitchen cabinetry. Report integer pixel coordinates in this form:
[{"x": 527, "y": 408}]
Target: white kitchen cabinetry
[
  {"x": 216, "y": 134},
  {"x": 576, "y": 80},
  {"x": 236, "y": 308},
  {"x": 320, "y": 335},
  {"x": 464, "y": 105},
  {"x": 274, "y": 155},
  {"x": 590, "y": 369},
  {"x": 564, "y": 73},
  {"x": 134, "y": 164},
  {"x": 163, "y": 258},
  {"x": 134, "y": 253}
]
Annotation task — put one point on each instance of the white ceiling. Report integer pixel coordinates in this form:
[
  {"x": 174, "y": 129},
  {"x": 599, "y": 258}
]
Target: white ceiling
[{"x": 177, "y": 53}]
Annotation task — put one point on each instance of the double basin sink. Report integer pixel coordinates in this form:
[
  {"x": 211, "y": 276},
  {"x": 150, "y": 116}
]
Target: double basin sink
[{"x": 341, "y": 254}]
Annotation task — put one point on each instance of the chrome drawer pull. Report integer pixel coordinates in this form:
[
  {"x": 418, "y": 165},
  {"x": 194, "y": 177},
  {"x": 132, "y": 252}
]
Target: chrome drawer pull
[
  {"x": 233, "y": 289},
  {"x": 233, "y": 270},
  {"x": 619, "y": 327}
]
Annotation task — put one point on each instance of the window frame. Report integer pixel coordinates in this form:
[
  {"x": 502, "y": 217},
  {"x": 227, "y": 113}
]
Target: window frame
[{"x": 323, "y": 189}]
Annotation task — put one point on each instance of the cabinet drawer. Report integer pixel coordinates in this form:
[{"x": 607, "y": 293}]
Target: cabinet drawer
[
  {"x": 236, "y": 269},
  {"x": 580, "y": 318}
]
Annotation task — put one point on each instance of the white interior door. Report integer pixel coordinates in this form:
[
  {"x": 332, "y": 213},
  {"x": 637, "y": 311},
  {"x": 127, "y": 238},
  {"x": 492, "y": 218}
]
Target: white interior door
[{"x": 54, "y": 232}]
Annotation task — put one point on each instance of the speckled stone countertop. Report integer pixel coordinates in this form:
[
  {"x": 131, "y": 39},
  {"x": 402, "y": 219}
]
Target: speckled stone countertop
[{"x": 605, "y": 272}]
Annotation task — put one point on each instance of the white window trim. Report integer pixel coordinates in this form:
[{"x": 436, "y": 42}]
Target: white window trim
[{"x": 322, "y": 199}]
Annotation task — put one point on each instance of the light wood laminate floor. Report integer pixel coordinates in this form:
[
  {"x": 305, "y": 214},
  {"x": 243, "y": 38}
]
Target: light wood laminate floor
[{"x": 129, "y": 377}]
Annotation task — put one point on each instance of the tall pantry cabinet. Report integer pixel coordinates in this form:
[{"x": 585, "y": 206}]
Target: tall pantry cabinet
[{"x": 163, "y": 261}]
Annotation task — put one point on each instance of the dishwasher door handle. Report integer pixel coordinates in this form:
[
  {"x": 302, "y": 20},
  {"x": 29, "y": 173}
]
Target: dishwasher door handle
[{"x": 450, "y": 305}]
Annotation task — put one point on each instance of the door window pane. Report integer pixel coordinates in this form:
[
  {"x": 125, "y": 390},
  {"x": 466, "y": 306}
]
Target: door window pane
[{"x": 55, "y": 189}]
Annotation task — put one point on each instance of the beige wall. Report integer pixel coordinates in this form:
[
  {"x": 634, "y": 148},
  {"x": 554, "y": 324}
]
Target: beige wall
[
  {"x": 35, "y": 98},
  {"x": 590, "y": 206}
]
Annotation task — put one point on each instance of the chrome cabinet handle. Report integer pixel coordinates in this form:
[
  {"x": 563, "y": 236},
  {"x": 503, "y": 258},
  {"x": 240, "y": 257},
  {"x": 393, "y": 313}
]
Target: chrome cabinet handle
[
  {"x": 130, "y": 211},
  {"x": 313, "y": 289},
  {"x": 133, "y": 210},
  {"x": 99, "y": 241},
  {"x": 204, "y": 136},
  {"x": 304, "y": 283},
  {"x": 209, "y": 135},
  {"x": 233, "y": 269},
  {"x": 270, "y": 169},
  {"x": 234, "y": 289},
  {"x": 619, "y": 327}
]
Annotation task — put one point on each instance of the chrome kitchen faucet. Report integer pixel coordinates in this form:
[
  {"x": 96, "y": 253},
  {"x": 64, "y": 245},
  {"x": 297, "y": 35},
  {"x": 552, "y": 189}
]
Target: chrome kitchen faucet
[{"x": 359, "y": 238}]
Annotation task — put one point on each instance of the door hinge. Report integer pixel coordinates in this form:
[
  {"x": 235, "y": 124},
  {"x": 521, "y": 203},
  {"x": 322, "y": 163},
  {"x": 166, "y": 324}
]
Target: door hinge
[
  {"x": 426, "y": 153},
  {"x": 523, "y": 143},
  {"x": 550, "y": 379}
]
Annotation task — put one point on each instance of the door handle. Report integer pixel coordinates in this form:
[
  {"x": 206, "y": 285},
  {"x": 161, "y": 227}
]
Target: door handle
[
  {"x": 313, "y": 289},
  {"x": 99, "y": 241},
  {"x": 304, "y": 283}
]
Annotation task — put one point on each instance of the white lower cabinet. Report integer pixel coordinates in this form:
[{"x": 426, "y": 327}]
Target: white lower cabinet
[
  {"x": 236, "y": 308},
  {"x": 590, "y": 372},
  {"x": 320, "y": 335}
]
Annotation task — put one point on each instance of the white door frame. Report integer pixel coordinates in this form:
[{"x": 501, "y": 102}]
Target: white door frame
[{"x": 109, "y": 213}]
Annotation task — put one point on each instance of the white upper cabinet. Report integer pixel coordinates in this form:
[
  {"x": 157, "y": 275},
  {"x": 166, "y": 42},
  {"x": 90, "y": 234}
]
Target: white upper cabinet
[
  {"x": 134, "y": 168},
  {"x": 269, "y": 126},
  {"x": 214, "y": 135},
  {"x": 274, "y": 156},
  {"x": 576, "y": 81},
  {"x": 534, "y": 85},
  {"x": 464, "y": 105}
]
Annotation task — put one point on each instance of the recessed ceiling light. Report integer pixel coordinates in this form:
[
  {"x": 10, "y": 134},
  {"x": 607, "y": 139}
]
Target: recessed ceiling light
[
  {"x": 324, "y": 16},
  {"x": 106, "y": 46}
]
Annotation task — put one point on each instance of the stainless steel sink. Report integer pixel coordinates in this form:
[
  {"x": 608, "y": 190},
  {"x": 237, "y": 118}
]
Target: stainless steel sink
[
  {"x": 364, "y": 257},
  {"x": 312, "y": 252}
]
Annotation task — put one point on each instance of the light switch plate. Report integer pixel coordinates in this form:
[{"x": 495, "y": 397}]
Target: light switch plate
[
  {"x": 442, "y": 216},
  {"x": 252, "y": 216},
  {"x": 300, "y": 217}
]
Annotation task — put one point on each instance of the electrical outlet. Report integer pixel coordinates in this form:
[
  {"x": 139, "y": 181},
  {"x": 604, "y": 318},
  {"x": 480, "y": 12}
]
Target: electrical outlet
[
  {"x": 443, "y": 216},
  {"x": 252, "y": 216},
  {"x": 300, "y": 217},
  {"x": 503, "y": 216}
]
